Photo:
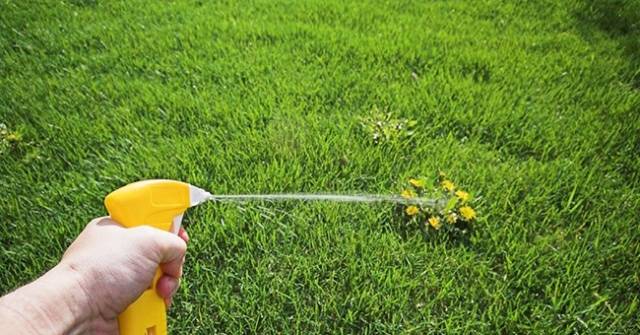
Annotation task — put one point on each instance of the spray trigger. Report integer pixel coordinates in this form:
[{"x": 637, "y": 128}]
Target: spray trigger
[{"x": 176, "y": 223}]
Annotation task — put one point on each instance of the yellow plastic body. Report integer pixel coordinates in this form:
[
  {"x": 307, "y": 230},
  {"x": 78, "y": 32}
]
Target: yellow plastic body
[{"x": 154, "y": 203}]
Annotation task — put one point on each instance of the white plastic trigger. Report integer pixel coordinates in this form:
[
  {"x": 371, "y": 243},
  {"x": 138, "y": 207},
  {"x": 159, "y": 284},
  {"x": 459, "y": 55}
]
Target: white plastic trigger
[{"x": 176, "y": 223}]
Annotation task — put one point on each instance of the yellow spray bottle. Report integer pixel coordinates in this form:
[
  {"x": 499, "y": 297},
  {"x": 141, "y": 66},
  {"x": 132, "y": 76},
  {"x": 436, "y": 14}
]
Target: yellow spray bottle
[{"x": 159, "y": 204}]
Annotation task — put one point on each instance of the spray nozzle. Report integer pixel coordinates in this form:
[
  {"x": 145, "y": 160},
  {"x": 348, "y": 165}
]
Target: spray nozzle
[{"x": 198, "y": 195}]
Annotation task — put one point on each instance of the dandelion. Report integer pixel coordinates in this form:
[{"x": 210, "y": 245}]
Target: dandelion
[
  {"x": 13, "y": 137},
  {"x": 453, "y": 205},
  {"x": 417, "y": 183},
  {"x": 463, "y": 196},
  {"x": 435, "y": 222},
  {"x": 467, "y": 213},
  {"x": 408, "y": 194},
  {"x": 412, "y": 210},
  {"x": 448, "y": 185}
]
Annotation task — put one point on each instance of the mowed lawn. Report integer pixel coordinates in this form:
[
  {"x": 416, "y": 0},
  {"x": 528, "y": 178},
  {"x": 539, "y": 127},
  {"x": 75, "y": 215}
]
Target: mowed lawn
[{"x": 531, "y": 106}]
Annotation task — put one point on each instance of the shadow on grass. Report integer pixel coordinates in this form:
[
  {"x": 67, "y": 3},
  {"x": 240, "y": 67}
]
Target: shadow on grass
[
  {"x": 447, "y": 235},
  {"x": 620, "y": 19}
]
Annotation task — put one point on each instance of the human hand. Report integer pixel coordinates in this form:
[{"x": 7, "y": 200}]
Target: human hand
[
  {"x": 114, "y": 265},
  {"x": 103, "y": 271}
]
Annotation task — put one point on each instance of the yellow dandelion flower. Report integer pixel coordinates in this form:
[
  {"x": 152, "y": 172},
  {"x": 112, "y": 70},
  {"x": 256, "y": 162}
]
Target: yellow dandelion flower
[
  {"x": 451, "y": 218},
  {"x": 417, "y": 183},
  {"x": 467, "y": 213},
  {"x": 435, "y": 222},
  {"x": 407, "y": 194},
  {"x": 412, "y": 210},
  {"x": 448, "y": 185},
  {"x": 463, "y": 196},
  {"x": 13, "y": 137}
]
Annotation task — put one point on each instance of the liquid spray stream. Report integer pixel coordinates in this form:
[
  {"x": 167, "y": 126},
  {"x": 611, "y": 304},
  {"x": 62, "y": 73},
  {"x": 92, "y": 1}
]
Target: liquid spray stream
[
  {"x": 352, "y": 198},
  {"x": 198, "y": 195}
]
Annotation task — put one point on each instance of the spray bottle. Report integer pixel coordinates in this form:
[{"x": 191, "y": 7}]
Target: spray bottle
[{"x": 159, "y": 204}]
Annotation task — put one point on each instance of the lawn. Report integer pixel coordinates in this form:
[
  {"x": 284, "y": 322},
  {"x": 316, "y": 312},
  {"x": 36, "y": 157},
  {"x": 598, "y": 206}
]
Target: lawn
[{"x": 532, "y": 106}]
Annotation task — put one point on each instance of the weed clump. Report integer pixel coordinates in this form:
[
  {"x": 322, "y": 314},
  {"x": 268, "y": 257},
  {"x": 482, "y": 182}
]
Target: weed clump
[
  {"x": 382, "y": 127},
  {"x": 12, "y": 142},
  {"x": 452, "y": 214},
  {"x": 8, "y": 139}
]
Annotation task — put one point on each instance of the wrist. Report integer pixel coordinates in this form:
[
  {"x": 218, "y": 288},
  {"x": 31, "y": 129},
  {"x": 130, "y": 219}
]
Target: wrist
[
  {"x": 71, "y": 297},
  {"x": 53, "y": 304}
]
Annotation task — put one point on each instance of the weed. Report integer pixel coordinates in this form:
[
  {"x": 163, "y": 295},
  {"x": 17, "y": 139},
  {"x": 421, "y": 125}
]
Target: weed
[
  {"x": 9, "y": 139},
  {"x": 454, "y": 214},
  {"x": 381, "y": 127}
]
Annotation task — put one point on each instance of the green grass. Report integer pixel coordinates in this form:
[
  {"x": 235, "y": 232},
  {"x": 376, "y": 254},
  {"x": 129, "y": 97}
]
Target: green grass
[{"x": 534, "y": 106}]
